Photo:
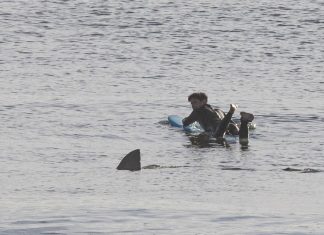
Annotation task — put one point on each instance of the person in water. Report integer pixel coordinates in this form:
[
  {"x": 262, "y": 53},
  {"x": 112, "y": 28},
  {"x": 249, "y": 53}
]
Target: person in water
[{"x": 214, "y": 121}]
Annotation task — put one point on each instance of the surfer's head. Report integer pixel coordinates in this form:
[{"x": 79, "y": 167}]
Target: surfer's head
[{"x": 197, "y": 100}]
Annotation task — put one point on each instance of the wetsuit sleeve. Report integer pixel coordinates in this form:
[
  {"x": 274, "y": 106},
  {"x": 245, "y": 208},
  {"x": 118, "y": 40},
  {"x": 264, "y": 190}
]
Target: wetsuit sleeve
[
  {"x": 190, "y": 119},
  {"x": 221, "y": 114},
  {"x": 232, "y": 127}
]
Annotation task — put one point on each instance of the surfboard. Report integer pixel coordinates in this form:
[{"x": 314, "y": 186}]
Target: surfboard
[
  {"x": 176, "y": 121},
  {"x": 195, "y": 128}
]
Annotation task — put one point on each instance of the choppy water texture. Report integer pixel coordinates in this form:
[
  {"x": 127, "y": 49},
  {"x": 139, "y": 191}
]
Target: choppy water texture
[{"x": 85, "y": 82}]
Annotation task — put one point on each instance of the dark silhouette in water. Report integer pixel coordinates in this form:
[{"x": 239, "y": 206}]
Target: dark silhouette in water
[
  {"x": 306, "y": 170},
  {"x": 131, "y": 162}
]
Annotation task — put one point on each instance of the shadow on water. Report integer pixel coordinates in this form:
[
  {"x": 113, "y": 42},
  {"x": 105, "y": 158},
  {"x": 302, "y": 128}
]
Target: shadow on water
[
  {"x": 229, "y": 168},
  {"x": 306, "y": 170},
  {"x": 164, "y": 122},
  {"x": 154, "y": 166}
]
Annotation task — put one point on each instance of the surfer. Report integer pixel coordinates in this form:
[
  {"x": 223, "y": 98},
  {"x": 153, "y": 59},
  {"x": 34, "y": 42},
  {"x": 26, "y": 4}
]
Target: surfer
[{"x": 214, "y": 121}]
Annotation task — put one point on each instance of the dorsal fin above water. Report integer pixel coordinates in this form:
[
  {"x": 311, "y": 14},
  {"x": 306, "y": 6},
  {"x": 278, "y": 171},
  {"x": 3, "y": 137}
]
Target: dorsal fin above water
[{"x": 131, "y": 162}]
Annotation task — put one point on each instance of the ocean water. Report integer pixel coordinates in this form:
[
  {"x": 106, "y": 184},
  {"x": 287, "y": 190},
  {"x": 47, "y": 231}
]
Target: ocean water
[{"x": 85, "y": 82}]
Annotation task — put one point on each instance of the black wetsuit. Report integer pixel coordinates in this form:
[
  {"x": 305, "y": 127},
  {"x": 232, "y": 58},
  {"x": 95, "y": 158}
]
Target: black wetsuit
[{"x": 213, "y": 121}]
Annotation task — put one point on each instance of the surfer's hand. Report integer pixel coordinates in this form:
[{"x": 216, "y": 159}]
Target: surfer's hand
[{"x": 233, "y": 107}]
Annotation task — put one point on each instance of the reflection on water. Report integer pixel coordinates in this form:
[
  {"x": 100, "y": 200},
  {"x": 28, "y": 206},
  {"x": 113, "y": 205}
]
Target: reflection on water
[{"x": 205, "y": 141}]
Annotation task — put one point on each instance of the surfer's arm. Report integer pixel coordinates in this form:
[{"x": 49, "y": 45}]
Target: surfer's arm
[
  {"x": 190, "y": 119},
  {"x": 221, "y": 114}
]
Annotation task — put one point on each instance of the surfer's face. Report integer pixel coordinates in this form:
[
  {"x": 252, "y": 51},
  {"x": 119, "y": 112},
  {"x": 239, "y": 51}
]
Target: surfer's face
[{"x": 196, "y": 104}]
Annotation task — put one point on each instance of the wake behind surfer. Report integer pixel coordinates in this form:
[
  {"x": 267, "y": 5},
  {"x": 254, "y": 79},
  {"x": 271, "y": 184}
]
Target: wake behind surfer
[{"x": 214, "y": 121}]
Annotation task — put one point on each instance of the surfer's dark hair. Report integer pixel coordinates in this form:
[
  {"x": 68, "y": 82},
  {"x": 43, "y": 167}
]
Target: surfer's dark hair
[{"x": 198, "y": 95}]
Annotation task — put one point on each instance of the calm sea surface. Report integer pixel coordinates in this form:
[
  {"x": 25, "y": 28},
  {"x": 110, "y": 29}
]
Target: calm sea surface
[{"x": 85, "y": 82}]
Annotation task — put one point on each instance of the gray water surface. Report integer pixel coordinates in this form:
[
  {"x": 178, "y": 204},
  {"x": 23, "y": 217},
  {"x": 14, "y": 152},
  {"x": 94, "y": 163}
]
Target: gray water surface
[{"x": 85, "y": 82}]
